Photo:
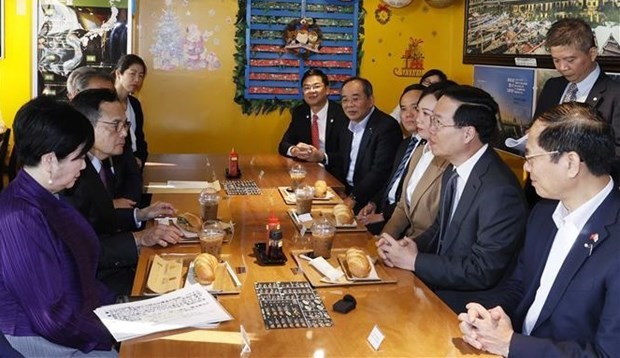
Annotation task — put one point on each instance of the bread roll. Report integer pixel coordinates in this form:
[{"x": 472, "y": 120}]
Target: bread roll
[
  {"x": 320, "y": 189},
  {"x": 343, "y": 214},
  {"x": 189, "y": 222},
  {"x": 357, "y": 261},
  {"x": 204, "y": 268}
]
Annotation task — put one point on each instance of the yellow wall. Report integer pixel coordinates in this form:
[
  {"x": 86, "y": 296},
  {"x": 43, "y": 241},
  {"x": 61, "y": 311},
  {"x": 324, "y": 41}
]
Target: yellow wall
[
  {"x": 15, "y": 67},
  {"x": 217, "y": 124}
]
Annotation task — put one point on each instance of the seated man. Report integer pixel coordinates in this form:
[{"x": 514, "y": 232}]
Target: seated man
[
  {"x": 482, "y": 211},
  {"x": 316, "y": 125},
  {"x": 562, "y": 298},
  {"x": 379, "y": 210},
  {"x": 369, "y": 145},
  {"x": 91, "y": 195},
  {"x": 127, "y": 183}
]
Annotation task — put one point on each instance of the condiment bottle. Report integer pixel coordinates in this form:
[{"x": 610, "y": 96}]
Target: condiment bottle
[
  {"x": 233, "y": 164},
  {"x": 274, "y": 248}
]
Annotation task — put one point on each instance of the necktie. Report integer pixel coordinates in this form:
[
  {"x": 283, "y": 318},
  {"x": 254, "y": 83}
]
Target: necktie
[
  {"x": 446, "y": 207},
  {"x": 401, "y": 167},
  {"x": 315, "y": 131},
  {"x": 571, "y": 93},
  {"x": 105, "y": 173}
]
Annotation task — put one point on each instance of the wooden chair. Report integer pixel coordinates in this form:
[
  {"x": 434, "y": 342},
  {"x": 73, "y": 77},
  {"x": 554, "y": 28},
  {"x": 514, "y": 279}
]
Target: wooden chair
[{"x": 4, "y": 145}]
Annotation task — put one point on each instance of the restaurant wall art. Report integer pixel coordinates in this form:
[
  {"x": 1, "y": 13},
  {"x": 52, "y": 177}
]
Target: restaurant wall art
[
  {"x": 278, "y": 40},
  {"x": 71, "y": 34},
  {"x": 512, "y": 33}
]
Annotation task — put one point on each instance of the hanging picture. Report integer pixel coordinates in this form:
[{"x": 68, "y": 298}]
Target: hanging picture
[
  {"x": 72, "y": 34},
  {"x": 512, "y": 33}
]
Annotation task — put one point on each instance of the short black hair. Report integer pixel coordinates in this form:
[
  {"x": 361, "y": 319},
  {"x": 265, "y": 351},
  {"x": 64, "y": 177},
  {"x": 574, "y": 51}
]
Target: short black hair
[
  {"x": 477, "y": 109},
  {"x": 367, "y": 86},
  {"x": 127, "y": 60},
  {"x": 413, "y": 87},
  {"x": 434, "y": 72},
  {"x": 571, "y": 32},
  {"x": 46, "y": 125},
  {"x": 577, "y": 127},
  {"x": 88, "y": 102},
  {"x": 315, "y": 72},
  {"x": 437, "y": 89}
]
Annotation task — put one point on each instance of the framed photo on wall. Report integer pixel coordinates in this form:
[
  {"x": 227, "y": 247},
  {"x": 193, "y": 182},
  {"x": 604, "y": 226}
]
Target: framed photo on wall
[
  {"x": 512, "y": 33},
  {"x": 77, "y": 33}
]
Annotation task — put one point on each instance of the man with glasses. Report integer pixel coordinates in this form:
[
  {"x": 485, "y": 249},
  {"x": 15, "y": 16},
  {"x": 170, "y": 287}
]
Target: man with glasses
[
  {"x": 482, "y": 211},
  {"x": 316, "y": 125},
  {"x": 562, "y": 298},
  {"x": 92, "y": 195}
]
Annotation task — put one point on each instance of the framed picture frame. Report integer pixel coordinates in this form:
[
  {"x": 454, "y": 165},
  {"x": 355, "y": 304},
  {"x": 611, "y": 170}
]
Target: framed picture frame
[
  {"x": 77, "y": 33},
  {"x": 512, "y": 33}
]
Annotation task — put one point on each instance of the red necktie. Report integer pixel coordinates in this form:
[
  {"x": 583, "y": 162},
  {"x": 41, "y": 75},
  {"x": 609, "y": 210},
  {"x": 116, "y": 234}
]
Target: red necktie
[{"x": 315, "y": 131}]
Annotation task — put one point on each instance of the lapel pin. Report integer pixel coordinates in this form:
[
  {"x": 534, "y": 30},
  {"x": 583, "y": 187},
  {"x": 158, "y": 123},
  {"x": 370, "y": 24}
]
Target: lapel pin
[{"x": 590, "y": 244}]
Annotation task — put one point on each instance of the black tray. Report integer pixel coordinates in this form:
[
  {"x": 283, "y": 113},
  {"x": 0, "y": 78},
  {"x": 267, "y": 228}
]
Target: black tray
[{"x": 260, "y": 251}]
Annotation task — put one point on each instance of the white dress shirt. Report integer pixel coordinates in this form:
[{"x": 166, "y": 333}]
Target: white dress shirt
[
  {"x": 131, "y": 116},
  {"x": 322, "y": 122},
  {"x": 463, "y": 171},
  {"x": 392, "y": 191},
  {"x": 585, "y": 86},
  {"x": 420, "y": 168},
  {"x": 358, "y": 130},
  {"x": 569, "y": 226}
]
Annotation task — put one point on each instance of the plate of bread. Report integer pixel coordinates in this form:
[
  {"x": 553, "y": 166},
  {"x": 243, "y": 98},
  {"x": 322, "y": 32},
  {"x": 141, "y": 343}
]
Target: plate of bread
[
  {"x": 216, "y": 276},
  {"x": 358, "y": 266}
]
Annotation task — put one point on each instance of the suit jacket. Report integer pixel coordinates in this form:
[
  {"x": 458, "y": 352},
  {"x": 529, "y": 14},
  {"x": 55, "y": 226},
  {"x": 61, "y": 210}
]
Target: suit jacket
[
  {"x": 141, "y": 145},
  {"x": 127, "y": 181},
  {"x": 414, "y": 218},
  {"x": 484, "y": 233},
  {"x": 384, "y": 206},
  {"x": 604, "y": 97},
  {"x": 300, "y": 130},
  {"x": 581, "y": 316},
  {"x": 119, "y": 253},
  {"x": 374, "y": 159}
]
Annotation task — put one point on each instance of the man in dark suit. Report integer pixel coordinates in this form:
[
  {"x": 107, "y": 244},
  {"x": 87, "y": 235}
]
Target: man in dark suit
[
  {"x": 93, "y": 192},
  {"x": 369, "y": 145},
  {"x": 482, "y": 211},
  {"x": 573, "y": 50},
  {"x": 316, "y": 125},
  {"x": 562, "y": 298},
  {"x": 380, "y": 208}
]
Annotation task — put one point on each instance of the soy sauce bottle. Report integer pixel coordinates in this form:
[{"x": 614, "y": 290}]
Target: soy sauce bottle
[{"x": 274, "y": 247}]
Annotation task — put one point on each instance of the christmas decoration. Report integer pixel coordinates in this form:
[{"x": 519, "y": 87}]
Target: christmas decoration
[
  {"x": 167, "y": 48},
  {"x": 383, "y": 14},
  {"x": 302, "y": 36}
]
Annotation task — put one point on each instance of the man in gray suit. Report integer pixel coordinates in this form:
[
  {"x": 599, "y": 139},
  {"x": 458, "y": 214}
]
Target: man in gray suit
[{"x": 482, "y": 211}]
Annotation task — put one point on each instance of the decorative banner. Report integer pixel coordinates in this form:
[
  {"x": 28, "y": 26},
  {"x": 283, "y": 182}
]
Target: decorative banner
[{"x": 413, "y": 60}]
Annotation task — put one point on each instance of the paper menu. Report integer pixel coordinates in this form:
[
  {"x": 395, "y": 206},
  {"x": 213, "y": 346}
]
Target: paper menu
[{"x": 191, "y": 306}]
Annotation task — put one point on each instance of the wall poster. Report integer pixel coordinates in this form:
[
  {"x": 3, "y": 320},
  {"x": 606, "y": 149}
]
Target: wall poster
[
  {"x": 512, "y": 33},
  {"x": 75, "y": 33}
]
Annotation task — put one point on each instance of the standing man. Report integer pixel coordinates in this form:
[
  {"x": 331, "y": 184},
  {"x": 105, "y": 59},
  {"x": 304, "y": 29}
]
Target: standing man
[
  {"x": 562, "y": 298},
  {"x": 482, "y": 211},
  {"x": 369, "y": 145},
  {"x": 92, "y": 197},
  {"x": 316, "y": 125},
  {"x": 573, "y": 50}
]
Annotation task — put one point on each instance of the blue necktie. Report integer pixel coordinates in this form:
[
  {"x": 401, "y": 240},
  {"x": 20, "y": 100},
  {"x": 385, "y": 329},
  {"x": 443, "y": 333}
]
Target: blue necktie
[{"x": 401, "y": 167}]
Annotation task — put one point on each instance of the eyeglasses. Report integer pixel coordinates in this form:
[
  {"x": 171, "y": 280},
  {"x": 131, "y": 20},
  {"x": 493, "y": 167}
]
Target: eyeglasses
[
  {"x": 314, "y": 87},
  {"x": 529, "y": 157},
  {"x": 438, "y": 125},
  {"x": 119, "y": 126}
]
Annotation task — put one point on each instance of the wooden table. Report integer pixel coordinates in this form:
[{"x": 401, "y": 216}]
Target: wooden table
[{"x": 414, "y": 321}]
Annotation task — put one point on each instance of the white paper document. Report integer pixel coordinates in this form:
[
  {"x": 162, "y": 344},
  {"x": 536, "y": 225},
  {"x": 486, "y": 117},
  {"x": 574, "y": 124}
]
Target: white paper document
[{"x": 191, "y": 306}]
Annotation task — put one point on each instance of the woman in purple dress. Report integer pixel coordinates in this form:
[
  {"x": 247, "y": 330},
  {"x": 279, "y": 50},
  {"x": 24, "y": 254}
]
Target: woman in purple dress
[{"x": 48, "y": 251}]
